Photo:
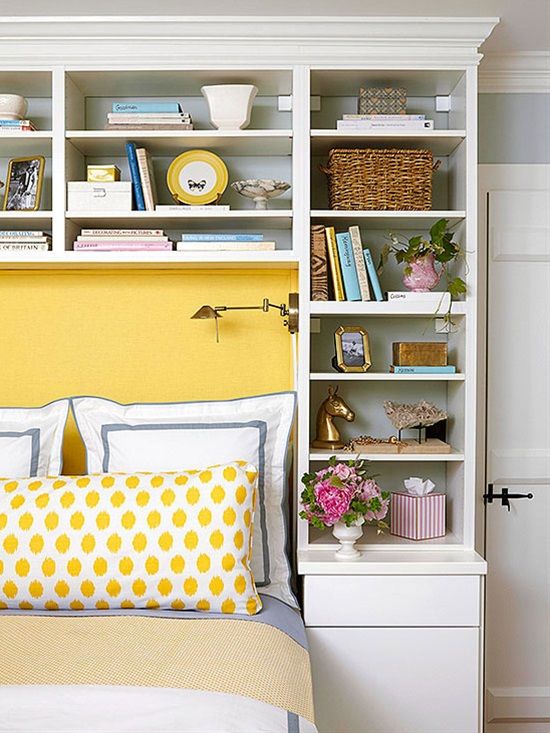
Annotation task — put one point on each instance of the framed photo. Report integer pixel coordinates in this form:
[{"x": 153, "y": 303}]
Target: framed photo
[
  {"x": 352, "y": 349},
  {"x": 24, "y": 184}
]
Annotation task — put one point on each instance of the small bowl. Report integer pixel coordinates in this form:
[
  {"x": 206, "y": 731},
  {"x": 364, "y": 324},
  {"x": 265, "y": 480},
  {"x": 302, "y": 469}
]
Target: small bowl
[{"x": 260, "y": 190}]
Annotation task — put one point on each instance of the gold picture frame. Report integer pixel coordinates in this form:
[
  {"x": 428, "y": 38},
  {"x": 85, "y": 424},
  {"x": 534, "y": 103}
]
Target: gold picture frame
[
  {"x": 352, "y": 353},
  {"x": 24, "y": 183}
]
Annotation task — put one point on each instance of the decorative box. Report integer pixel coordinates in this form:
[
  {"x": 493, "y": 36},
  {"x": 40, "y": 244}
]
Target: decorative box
[
  {"x": 387, "y": 101},
  {"x": 419, "y": 353},
  {"x": 102, "y": 173},
  {"x": 110, "y": 196},
  {"x": 417, "y": 517}
]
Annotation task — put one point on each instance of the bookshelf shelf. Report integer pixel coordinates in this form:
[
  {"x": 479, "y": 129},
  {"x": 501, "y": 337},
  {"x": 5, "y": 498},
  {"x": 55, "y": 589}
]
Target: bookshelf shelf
[
  {"x": 440, "y": 142},
  {"x": 272, "y": 218},
  {"x": 386, "y": 219},
  {"x": 384, "y": 308},
  {"x": 383, "y": 377},
  {"x": 169, "y": 142},
  {"x": 23, "y": 219},
  {"x": 324, "y": 455},
  {"x": 20, "y": 144}
]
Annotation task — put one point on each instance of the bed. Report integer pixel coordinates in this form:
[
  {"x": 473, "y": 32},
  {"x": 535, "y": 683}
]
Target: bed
[{"x": 140, "y": 671}]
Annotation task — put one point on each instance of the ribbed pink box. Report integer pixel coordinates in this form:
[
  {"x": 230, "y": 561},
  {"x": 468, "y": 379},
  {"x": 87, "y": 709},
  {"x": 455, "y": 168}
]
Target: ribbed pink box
[{"x": 417, "y": 517}]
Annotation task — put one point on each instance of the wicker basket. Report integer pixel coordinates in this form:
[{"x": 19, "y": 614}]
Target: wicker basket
[{"x": 380, "y": 179}]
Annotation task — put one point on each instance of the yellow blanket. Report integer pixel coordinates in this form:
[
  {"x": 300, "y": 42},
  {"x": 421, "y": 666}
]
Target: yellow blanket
[{"x": 222, "y": 655}]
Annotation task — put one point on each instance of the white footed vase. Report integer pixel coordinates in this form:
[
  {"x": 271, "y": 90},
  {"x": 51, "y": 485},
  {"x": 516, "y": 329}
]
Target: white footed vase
[
  {"x": 348, "y": 536},
  {"x": 230, "y": 105},
  {"x": 12, "y": 107}
]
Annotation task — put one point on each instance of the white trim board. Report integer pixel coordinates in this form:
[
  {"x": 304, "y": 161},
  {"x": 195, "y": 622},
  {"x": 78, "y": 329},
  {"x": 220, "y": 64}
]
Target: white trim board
[
  {"x": 515, "y": 73},
  {"x": 393, "y": 40}
]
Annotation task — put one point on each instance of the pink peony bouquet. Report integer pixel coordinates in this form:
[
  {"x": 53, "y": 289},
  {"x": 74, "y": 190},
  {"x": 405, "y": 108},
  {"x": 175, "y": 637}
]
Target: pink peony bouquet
[{"x": 343, "y": 492}]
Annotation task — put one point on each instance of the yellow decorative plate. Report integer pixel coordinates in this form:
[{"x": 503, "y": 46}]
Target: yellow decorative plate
[{"x": 197, "y": 177}]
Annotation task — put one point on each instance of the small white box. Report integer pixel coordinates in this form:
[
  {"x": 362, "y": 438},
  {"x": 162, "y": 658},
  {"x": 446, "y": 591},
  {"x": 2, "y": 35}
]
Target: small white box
[{"x": 108, "y": 196}]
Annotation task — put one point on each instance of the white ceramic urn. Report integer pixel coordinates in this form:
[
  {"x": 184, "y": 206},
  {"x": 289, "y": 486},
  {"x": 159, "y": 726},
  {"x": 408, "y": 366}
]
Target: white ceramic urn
[
  {"x": 12, "y": 107},
  {"x": 230, "y": 105},
  {"x": 348, "y": 536}
]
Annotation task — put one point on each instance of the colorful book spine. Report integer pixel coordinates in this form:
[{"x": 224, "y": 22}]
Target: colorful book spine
[
  {"x": 122, "y": 247},
  {"x": 332, "y": 249},
  {"x": 412, "y": 125},
  {"x": 15, "y": 234},
  {"x": 357, "y": 246},
  {"x": 146, "y": 107},
  {"x": 225, "y": 246},
  {"x": 347, "y": 265},
  {"x": 383, "y": 117},
  {"x": 24, "y": 247},
  {"x": 241, "y": 237},
  {"x": 319, "y": 264},
  {"x": 449, "y": 369},
  {"x": 373, "y": 275},
  {"x": 122, "y": 233},
  {"x": 147, "y": 182},
  {"x": 136, "y": 179},
  {"x": 15, "y": 123},
  {"x": 189, "y": 209}
]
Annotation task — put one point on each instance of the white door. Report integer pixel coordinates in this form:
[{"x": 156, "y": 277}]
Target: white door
[{"x": 516, "y": 199}]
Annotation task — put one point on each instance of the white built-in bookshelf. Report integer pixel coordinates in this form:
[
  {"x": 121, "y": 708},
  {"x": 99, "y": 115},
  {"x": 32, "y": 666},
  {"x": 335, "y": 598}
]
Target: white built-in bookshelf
[{"x": 70, "y": 95}]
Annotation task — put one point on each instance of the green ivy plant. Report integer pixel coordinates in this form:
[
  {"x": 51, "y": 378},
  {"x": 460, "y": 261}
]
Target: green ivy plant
[{"x": 441, "y": 245}]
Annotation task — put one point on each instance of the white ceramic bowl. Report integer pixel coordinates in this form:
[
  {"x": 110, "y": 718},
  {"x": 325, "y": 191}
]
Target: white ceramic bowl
[
  {"x": 260, "y": 190},
  {"x": 12, "y": 107},
  {"x": 230, "y": 105}
]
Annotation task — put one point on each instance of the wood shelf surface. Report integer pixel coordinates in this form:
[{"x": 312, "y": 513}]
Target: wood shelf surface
[
  {"x": 386, "y": 219},
  {"x": 384, "y": 377},
  {"x": 317, "y": 454},
  {"x": 383, "y": 308},
  {"x": 440, "y": 142},
  {"x": 271, "y": 218}
]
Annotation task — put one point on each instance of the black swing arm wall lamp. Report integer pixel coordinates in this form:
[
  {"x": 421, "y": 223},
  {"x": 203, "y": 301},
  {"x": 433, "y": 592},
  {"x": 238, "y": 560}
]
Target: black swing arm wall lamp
[{"x": 289, "y": 313}]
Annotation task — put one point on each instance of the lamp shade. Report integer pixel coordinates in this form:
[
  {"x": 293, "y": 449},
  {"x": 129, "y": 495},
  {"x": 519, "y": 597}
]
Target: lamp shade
[{"x": 206, "y": 311}]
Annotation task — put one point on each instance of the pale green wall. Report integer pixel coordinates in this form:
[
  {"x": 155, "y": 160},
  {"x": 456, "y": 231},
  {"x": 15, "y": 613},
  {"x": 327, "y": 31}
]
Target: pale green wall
[{"x": 514, "y": 128}]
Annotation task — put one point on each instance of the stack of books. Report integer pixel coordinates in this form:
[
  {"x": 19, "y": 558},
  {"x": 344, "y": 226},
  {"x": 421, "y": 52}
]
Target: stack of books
[
  {"x": 19, "y": 240},
  {"x": 230, "y": 242},
  {"x": 143, "y": 179},
  {"x": 148, "y": 116},
  {"x": 16, "y": 126},
  {"x": 122, "y": 240},
  {"x": 341, "y": 267},
  {"x": 406, "y": 123}
]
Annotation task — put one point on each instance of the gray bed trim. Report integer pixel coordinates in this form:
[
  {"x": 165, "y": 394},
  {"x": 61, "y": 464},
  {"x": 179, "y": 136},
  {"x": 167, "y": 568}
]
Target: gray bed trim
[
  {"x": 293, "y": 722},
  {"x": 260, "y": 425},
  {"x": 34, "y": 434}
]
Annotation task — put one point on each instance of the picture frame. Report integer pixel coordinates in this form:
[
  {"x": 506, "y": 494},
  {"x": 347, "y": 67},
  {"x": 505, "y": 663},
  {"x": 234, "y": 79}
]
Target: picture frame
[
  {"x": 24, "y": 183},
  {"x": 352, "y": 349}
]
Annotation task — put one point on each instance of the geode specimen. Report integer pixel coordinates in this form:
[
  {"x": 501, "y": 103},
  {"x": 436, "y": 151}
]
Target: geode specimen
[{"x": 420, "y": 414}]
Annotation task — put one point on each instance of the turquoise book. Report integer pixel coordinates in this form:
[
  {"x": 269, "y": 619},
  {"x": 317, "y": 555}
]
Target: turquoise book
[
  {"x": 145, "y": 107},
  {"x": 373, "y": 275},
  {"x": 449, "y": 369},
  {"x": 347, "y": 265}
]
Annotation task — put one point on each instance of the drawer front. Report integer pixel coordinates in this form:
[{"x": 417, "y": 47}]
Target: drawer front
[
  {"x": 395, "y": 680},
  {"x": 392, "y": 600}
]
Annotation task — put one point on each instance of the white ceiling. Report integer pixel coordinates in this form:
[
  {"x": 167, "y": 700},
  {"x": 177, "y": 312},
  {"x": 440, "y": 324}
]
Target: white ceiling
[{"x": 524, "y": 26}]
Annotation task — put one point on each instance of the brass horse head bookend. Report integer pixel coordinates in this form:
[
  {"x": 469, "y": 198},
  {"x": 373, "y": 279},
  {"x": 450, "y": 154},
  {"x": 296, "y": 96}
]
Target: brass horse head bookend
[{"x": 327, "y": 435}]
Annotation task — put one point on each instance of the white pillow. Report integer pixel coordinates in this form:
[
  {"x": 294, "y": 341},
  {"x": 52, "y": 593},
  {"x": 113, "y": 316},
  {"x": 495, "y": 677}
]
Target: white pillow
[
  {"x": 182, "y": 435},
  {"x": 31, "y": 439}
]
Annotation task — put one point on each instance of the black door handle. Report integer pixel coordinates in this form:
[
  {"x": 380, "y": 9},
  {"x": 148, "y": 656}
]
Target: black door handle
[{"x": 504, "y": 497}]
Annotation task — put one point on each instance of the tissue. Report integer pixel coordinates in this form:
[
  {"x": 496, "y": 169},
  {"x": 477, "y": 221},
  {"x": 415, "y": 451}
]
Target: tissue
[{"x": 418, "y": 487}]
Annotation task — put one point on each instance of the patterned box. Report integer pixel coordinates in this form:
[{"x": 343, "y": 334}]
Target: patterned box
[
  {"x": 417, "y": 517},
  {"x": 388, "y": 101}
]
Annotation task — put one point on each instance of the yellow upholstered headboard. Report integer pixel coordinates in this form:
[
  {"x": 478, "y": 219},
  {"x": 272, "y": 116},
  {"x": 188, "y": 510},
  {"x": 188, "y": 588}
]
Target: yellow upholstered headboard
[{"x": 127, "y": 335}]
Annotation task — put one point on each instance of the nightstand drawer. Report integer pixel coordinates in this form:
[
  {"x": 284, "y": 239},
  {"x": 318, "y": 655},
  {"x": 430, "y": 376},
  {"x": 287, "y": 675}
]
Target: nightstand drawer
[{"x": 392, "y": 600}]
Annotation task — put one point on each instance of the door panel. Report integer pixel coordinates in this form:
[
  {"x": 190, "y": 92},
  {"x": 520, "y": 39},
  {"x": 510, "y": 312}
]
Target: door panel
[{"x": 518, "y": 448}]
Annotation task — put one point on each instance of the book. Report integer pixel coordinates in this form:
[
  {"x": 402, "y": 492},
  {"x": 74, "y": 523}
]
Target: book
[
  {"x": 383, "y": 117},
  {"x": 412, "y": 125},
  {"x": 357, "y": 246},
  {"x": 9, "y": 240},
  {"x": 137, "y": 116},
  {"x": 188, "y": 209},
  {"x": 146, "y": 107},
  {"x": 449, "y": 369},
  {"x": 122, "y": 232},
  {"x": 24, "y": 247},
  {"x": 117, "y": 238},
  {"x": 145, "y": 166},
  {"x": 347, "y": 266},
  {"x": 16, "y": 123},
  {"x": 373, "y": 275},
  {"x": 438, "y": 300},
  {"x": 225, "y": 246},
  {"x": 23, "y": 233},
  {"x": 136, "y": 246},
  {"x": 332, "y": 249},
  {"x": 136, "y": 178},
  {"x": 197, "y": 237},
  {"x": 146, "y": 126},
  {"x": 319, "y": 265}
]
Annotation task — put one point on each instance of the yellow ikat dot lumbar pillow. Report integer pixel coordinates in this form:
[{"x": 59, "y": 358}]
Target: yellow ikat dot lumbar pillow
[{"x": 178, "y": 540}]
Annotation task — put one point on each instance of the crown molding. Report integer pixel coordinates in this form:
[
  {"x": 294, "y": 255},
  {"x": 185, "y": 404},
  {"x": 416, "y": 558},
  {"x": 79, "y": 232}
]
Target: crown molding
[
  {"x": 515, "y": 73},
  {"x": 234, "y": 39}
]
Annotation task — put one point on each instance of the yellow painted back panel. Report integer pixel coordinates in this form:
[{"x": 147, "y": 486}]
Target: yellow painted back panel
[{"x": 127, "y": 335}]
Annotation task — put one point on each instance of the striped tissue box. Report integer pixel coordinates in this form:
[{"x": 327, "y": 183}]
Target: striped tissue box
[{"x": 417, "y": 517}]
